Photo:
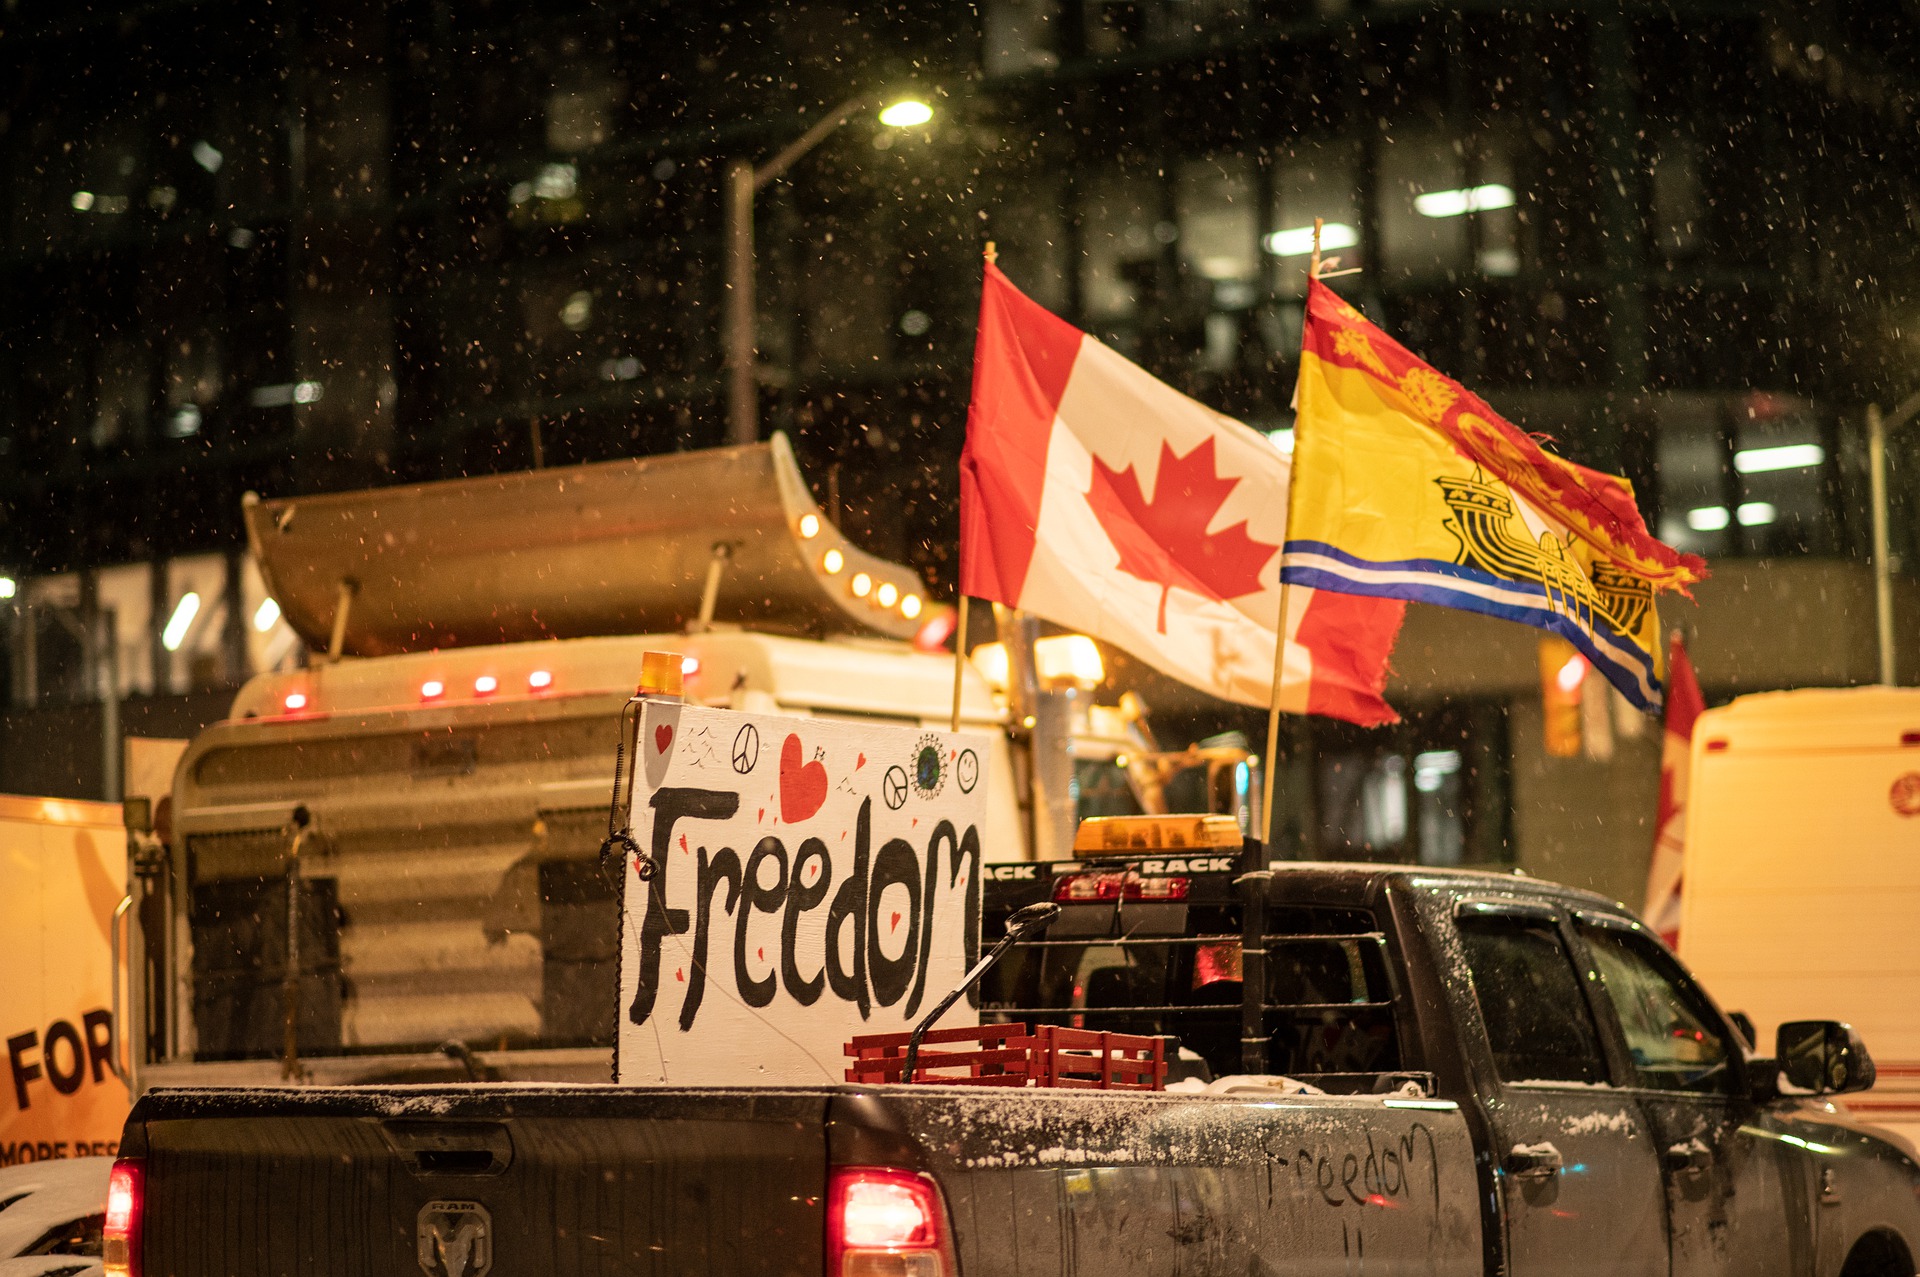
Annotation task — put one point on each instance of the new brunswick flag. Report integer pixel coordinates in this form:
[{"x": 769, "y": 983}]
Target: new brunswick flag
[{"x": 1408, "y": 486}]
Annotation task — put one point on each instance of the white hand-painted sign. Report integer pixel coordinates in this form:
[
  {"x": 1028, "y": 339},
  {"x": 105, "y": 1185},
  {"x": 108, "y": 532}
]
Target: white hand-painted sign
[{"x": 810, "y": 880}]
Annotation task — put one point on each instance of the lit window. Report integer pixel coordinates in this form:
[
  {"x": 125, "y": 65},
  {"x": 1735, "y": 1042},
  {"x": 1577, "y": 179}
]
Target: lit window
[
  {"x": 540, "y": 680},
  {"x": 180, "y": 622},
  {"x": 1297, "y": 241},
  {"x": 862, "y": 585},
  {"x": 1792, "y": 456},
  {"x": 485, "y": 685},
  {"x": 832, "y": 561},
  {"x": 1474, "y": 199},
  {"x": 432, "y": 689},
  {"x": 887, "y": 594}
]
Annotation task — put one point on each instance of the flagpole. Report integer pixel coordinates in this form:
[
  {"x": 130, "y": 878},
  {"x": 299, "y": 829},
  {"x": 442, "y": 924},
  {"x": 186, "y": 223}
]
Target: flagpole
[
  {"x": 960, "y": 623},
  {"x": 1280, "y": 629}
]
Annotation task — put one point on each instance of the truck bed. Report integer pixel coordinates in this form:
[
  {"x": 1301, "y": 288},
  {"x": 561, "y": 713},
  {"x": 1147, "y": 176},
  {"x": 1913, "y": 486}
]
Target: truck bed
[{"x": 610, "y": 1180}]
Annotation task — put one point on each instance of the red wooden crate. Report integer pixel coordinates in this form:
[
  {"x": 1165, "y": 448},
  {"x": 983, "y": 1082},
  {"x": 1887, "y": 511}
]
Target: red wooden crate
[
  {"x": 999, "y": 1057},
  {"x": 1085, "y": 1059}
]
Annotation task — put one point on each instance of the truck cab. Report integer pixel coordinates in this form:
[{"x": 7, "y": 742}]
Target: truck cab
[{"x": 1625, "y": 1123}]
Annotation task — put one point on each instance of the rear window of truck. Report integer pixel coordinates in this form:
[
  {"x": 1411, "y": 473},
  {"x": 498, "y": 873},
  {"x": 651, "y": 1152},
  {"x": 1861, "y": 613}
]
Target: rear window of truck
[{"x": 1328, "y": 1006}]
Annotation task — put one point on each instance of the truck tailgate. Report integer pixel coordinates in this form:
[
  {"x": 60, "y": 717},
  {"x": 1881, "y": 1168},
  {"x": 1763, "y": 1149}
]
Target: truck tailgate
[{"x": 457, "y": 1181}]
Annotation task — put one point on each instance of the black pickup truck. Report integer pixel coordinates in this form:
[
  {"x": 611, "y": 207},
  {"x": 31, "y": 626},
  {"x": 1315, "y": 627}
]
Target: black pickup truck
[{"x": 1388, "y": 1070}]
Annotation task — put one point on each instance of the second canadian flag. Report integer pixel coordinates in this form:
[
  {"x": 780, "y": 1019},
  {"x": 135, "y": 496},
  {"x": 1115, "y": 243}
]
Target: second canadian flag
[{"x": 1102, "y": 499}]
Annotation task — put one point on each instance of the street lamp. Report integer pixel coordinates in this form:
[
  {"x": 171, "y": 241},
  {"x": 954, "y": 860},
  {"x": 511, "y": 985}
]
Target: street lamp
[{"x": 743, "y": 179}]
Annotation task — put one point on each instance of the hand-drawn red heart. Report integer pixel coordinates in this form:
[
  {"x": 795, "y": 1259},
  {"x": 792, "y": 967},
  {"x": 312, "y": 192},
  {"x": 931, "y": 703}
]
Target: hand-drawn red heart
[
  {"x": 859, "y": 762},
  {"x": 802, "y": 788},
  {"x": 761, "y": 953},
  {"x": 663, "y": 737},
  {"x": 896, "y": 921}
]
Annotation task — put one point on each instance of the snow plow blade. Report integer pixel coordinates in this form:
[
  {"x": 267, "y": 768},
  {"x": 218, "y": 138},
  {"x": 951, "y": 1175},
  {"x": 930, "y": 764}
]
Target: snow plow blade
[{"x": 619, "y": 547}]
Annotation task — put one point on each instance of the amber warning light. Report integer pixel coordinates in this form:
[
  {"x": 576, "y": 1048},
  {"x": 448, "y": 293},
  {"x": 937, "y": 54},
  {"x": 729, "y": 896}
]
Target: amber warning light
[{"x": 1111, "y": 834}]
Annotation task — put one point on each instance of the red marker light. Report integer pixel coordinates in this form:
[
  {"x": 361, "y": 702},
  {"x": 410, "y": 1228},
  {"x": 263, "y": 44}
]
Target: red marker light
[
  {"x": 120, "y": 1234},
  {"x": 295, "y": 702},
  {"x": 540, "y": 680},
  {"x": 935, "y": 631},
  {"x": 432, "y": 689},
  {"x": 1081, "y": 888},
  {"x": 485, "y": 685},
  {"x": 689, "y": 666}
]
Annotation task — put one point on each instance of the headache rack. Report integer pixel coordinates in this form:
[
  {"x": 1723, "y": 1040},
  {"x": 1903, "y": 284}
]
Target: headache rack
[{"x": 1243, "y": 983}]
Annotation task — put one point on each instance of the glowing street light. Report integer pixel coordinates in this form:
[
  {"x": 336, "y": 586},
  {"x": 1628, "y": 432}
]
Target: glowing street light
[
  {"x": 744, "y": 178},
  {"x": 906, "y": 113}
]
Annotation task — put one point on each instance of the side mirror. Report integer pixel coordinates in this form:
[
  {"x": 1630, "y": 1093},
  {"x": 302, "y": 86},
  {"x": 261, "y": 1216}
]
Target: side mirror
[{"x": 1823, "y": 1057}]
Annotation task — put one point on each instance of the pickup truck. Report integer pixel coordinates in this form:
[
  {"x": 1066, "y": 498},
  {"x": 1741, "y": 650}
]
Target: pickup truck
[{"x": 1389, "y": 1069}]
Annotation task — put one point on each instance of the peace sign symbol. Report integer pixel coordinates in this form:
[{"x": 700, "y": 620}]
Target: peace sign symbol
[
  {"x": 967, "y": 770},
  {"x": 746, "y": 749},
  {"x": 893, "y": 787}
]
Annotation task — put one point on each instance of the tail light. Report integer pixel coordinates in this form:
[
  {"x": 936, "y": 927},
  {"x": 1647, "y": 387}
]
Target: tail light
[
  {"x": 120, "y": 1250},
  {"x": 1081, "y": 888},
  {"x": 883, "y": 1222}
]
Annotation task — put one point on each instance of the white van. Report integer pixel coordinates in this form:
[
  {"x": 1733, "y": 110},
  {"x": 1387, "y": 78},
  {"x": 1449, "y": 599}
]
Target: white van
[{"x": 1801, "y": 898}]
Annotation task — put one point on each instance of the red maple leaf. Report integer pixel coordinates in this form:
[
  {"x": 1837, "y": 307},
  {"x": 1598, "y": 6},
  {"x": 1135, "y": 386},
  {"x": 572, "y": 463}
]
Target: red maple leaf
[{"x": 1165, "y": 541}]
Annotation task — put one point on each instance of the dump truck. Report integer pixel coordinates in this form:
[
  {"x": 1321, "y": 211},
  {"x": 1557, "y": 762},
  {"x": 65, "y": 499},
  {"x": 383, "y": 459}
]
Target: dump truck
[{"x": 380, "y": 866}]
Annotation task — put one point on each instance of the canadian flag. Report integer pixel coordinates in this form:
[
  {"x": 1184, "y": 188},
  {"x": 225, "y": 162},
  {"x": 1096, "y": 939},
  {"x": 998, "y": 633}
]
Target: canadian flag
[
  {"x": 1100, "y": 498},
  {"x": 1684, "y": 705}
]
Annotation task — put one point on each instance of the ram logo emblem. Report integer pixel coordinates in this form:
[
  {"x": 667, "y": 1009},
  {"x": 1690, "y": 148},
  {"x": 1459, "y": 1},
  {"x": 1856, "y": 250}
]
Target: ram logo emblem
[{"x": 455, "y": 1239}]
